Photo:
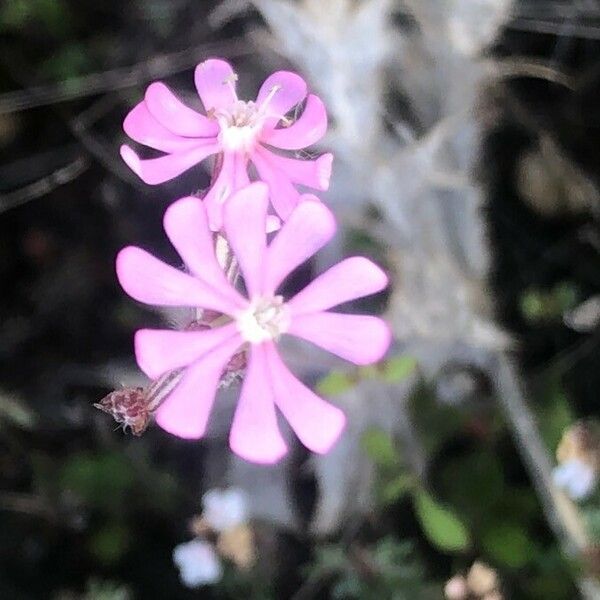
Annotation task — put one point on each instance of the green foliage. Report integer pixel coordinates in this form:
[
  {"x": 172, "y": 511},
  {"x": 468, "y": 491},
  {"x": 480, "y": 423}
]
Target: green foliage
[
  {"x": 71, "y": 60},
  {"x": 475, "y": 482},
  {"x": 51, "y": 14},
  {"x": 555, "y": 413},
  {"x": 386, "y": 570},
  {"x": 379, "y": 447},
  {"x": 394, "y": 370},
  {"x": 334, "y": 383},
  {"x": 103, "y": 480},
  {"x": 392, "y": 479},
  {"x": 441, "y": 525},
  {"x": 436, "y": 423},
  {"x": 539, "y": 306},
  {"x": 110, "y": 543},
  {"x": 399, "y": 368},
  {"x": 108, "y": 481},
  {"x": 396, "y": 488},
  {"x": 497, "y": 515},
  {"x": 553, "y": 577},
  {"x": 508, "y": 544}
]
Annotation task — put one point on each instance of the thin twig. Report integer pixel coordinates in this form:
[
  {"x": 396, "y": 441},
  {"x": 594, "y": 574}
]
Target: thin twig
[
  {"x": 557, "y": 28},
  {"x": 25, "y": 504},
  {"x": 45, "y": 185},
  {"x": 116, "y": 79},
  {"x": 534, "y": 69},
  {"x": 80, "y": 125}
]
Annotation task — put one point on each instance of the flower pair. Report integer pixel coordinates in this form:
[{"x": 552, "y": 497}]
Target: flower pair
[{"x": 240, "y": 133}]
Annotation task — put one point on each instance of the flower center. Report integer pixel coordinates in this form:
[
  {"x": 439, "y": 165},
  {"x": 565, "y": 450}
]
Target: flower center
[
  {"x": 264, "y": 320},
  {"x": 242, "y": 122}
]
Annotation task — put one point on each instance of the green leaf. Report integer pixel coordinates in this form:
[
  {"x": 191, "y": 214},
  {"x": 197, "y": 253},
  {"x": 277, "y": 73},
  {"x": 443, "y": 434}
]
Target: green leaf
[
  {"x": 379, "y": 447},
  {"x": 110, "y": 543},
  {"x": 66, "y": 64},
  {"x": 508, "y": 544},
  {"x": 398, "y": 368},
  {"x": 368, "y": 372},
  {"x": 546, "y": 305},
  {"x": 14, "y": 14},
  {"x": 396, "y": 488},
  {"x": 441, "y": 526},
  {"x": 532, "y": 305},
  {"x": 335, "y": 383},
  {"x": 556, "y": 413},
  {"x": 51, "y": 13},
  {"x": 102, "y": 480},
  {"x": 474, "y": 481}
]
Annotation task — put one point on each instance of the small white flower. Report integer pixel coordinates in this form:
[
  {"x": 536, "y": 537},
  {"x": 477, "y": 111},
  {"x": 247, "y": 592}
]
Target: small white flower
[
  {"x": 198, "y": 563},
  {"x": 225, "y": 509},
  {"x": 576, "y": 478}
]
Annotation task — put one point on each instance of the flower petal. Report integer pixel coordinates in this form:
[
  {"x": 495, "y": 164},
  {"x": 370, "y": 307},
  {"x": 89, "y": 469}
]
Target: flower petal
[
  {"x": 186, "y": 410},
  {"x": 284, "y": 196},
  {"x": 317, "y": 423},
  {"x": 310, "y": 226},
  {"x": 142, "y": 127},
  {"x": 233, "y": 176},
  {"x": 255, "y": 435},
  {"x": 282, "y": 91},
  {"x": 149, "y": 280},
  {"x": 158, "y": 170},
  {"x": 215, "y": 82},
  {"x": 352, "y": 278},
  {"x": 360, "y": 339},
  {"x": 245, "y": 216},
  {"x": 160, "y": 350},
  {"x": 168, "y": 110},
  {"x": 312, "y": 173},
  {"x": 308, "y": 129},
  {"x": 186, "y": 225}
]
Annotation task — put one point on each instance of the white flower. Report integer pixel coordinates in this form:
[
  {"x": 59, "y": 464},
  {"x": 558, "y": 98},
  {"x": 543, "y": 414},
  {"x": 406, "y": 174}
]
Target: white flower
[
  {"x": 198, "y": 563},
  {"x": 576, "y": 478},
  {"x": 225, "y": 509}
]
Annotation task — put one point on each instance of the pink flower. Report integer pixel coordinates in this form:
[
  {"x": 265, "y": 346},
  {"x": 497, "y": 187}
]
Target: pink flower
[
  {"x": 237, "y": 130},
  {"x": 257, "y": 321}
]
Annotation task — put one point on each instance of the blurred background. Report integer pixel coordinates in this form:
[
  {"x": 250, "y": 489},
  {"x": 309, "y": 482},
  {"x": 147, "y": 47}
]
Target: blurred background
[{"x": 467, "y": 163}]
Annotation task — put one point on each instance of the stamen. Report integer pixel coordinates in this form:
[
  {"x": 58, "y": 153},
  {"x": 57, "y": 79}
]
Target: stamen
[
  {"x": 269, "y": 97},
  {"x": 230, "y": 81},
  {"x": 266, "y": 319},
  {"x": 285, "y": 121}
]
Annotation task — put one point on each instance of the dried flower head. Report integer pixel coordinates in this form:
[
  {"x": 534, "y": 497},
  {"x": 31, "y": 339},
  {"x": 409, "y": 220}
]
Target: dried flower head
[
  {"x": 237, "y": 544},
  {"x": 128, "y": 407}
]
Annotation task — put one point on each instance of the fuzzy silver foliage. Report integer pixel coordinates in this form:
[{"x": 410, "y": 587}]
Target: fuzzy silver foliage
[
  {"x": 405, "y": 132},
  {"x": 413, "y": 164}
]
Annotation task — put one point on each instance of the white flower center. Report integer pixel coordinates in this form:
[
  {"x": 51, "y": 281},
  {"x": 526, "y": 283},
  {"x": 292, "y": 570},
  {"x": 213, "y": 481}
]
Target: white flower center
[
  {"x": 264, "y": 320},
  {"x": 242, "y": 123}
]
